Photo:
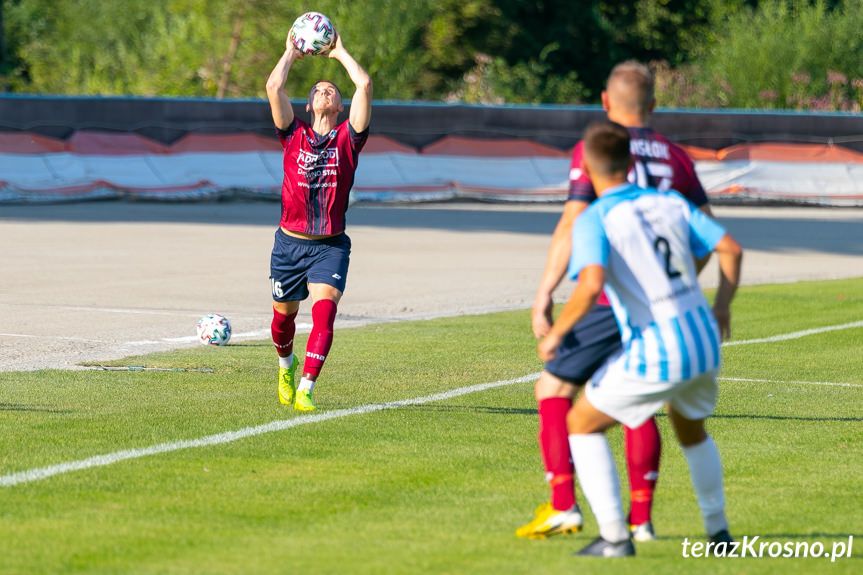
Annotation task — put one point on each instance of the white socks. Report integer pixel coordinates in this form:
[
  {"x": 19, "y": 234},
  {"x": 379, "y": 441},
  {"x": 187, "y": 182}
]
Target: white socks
[
  {"x": 705, "y": 470},
  {"x": 306, "y": 384},
  {"x": 597, "y": 474}
]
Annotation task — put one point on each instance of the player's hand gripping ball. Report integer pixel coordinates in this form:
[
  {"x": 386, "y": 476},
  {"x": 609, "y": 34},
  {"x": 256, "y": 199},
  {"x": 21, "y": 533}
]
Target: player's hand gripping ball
[
  {"x": 312, "y": 34},
  {"x": 214, "y": 329}
]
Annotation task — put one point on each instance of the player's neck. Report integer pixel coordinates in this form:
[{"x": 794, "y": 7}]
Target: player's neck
[
  {"x": 603, "y": 184},
  {"x": 324, "y": 123},
  {"x": 628, "y": 120}
]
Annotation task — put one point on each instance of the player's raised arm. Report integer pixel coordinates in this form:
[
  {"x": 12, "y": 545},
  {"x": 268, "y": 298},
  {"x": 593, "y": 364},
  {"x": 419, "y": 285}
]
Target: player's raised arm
[
  {"x": 361, "y": 102},
  {"x": 280, "y": 103}
]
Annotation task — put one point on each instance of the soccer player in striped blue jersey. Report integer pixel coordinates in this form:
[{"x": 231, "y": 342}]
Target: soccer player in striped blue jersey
[
  {"x": 642, "y": 246},
  {"x": 628, "y": 100}
]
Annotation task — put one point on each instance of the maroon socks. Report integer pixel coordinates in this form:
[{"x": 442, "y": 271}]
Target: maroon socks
[
  {"x": 282, "y": 329},
  {"x": 554, "y": 445},
  {"x": 321, "y": 338},
  {"x": 643, "y": 447}
]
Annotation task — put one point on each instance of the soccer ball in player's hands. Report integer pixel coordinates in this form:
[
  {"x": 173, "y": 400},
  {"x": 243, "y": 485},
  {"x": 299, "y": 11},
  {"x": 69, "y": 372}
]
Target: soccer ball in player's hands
[
  {"x": 312, "y": 34},
  {"x": 214, "y": 329}
]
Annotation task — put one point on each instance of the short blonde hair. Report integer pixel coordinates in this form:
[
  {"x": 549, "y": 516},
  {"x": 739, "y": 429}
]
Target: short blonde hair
[{"x": 630, "y": 86}]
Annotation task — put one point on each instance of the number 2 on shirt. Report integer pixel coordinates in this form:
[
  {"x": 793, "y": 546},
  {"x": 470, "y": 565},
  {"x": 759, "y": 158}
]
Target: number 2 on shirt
[{"x": 662, "y": 246}]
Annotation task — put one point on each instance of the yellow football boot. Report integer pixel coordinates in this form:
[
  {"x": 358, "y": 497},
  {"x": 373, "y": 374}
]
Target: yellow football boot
[
  {"x": 549, "y": 521},
  {"x": 303, "y": 400},
  {"x": 287, "y": 387}
]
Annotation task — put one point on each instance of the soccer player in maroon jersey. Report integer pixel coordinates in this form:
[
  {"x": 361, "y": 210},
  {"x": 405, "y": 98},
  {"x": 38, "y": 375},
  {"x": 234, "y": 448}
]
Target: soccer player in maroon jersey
[
  {"x": 311, "y": 251},
  {"x": 628, "y": 100}
]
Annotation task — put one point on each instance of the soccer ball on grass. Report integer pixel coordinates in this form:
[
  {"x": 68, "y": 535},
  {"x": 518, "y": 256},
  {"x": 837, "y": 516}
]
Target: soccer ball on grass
[
  {"x": 214, "y": 329},
  {"x": 312, "y": 34}
]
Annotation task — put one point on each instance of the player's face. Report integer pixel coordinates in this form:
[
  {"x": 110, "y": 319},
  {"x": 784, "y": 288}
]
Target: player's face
[{"x": 326, "y": 98}]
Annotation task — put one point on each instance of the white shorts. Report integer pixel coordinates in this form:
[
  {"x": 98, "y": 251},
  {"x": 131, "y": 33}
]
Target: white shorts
[{"x": 633, "y": 401}]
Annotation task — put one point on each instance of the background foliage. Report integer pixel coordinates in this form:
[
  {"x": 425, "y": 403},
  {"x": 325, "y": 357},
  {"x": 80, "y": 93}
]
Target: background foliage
[{"x": 798, "y": 54}]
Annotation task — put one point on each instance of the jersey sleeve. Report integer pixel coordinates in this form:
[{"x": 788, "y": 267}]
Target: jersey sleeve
[
  {"x": 580, "y": 186},
  {"x": 691, "y": 187},
  {"x": 285, "y": 136},
  {"x": 705, "y": 232},
  {"x": 589, "y": 243},
  {"x": 358, "y": 139}
]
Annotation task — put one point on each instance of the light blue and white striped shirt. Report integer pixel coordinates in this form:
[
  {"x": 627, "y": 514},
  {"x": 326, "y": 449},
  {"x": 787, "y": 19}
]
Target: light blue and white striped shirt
[{"x": 647, "y": 241}]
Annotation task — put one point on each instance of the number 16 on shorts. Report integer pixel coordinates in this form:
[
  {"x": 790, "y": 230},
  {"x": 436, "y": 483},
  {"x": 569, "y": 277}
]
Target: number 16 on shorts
[{"x": 277, "y": 288}]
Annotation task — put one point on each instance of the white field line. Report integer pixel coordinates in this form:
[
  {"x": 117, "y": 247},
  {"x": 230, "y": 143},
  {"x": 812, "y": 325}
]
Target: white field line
[
  {"x": 301, "y": 328},
  {"x": 126, "y": 310},
  {"x": 796, "y": 334},
  {"x": 65, "y": 338},
  {"x": 307, "y": 326},
  {"x": 39, "y": 473},
  {"x": 831, "y": 383},
  {"x": 183, "y": 339},
  {"x": 229, "y": 436}
]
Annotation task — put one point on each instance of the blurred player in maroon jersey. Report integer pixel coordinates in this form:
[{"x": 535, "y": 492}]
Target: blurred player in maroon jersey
[
  {"x": 628, "y": 100},
  {"x": 311, "y": 251}
]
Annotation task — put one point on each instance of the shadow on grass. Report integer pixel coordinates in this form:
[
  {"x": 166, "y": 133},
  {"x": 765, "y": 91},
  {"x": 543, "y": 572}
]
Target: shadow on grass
[
  {"x": 472, "y": 409},
  {"x": 773, "y": 417},
  {"x": 523, "y": 411},
  {"x": 34, "y": 408},
  {"x": 784, "y": 417}
]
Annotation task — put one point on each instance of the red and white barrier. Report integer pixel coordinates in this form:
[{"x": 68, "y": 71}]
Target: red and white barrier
[{"x": 101, "y": 165}]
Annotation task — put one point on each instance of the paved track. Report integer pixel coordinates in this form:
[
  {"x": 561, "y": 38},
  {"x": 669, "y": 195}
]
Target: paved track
[{"x": 103, "y": 280}]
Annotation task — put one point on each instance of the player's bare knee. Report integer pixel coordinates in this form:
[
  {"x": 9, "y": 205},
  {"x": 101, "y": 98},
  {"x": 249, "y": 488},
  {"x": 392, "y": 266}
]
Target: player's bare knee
[
  {"x": 692, "y": 439},
  {"x": 286, "y": 307},
  {"x": 689, "y": 431},
  {"x": 578, "y": 423},
  {"x": 324, "y": 291},
  {"x": 548, "y": 386},
  {"x": 585, "y": 418},
  {"x": 572, "y": 423}
]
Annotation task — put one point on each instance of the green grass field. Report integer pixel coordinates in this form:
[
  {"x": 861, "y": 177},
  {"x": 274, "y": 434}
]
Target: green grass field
[{"x": 437, "y": 486}]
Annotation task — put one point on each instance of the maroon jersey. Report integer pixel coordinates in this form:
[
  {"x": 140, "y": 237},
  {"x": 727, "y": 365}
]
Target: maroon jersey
[
  {"x": 658, "y": 163},
  {"x": 319, "y": 174}
]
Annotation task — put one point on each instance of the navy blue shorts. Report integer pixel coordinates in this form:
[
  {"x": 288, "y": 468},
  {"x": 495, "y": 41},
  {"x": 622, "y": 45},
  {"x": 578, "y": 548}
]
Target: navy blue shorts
[
  {"x": 297, "y": 262},
  {"x": 586, "y": 347}
]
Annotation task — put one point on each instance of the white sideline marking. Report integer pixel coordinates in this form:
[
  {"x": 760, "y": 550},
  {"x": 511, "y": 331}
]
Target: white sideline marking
[
  {"x": 301, "y": 327},
  {"x": 796, "y": 334},
  {"x": 67, "y": 338},
  {"x": 799, "y": 382},
  {"x": 229, "y": 436},
  {"x": 191, "y": 338},
  {"x": 126, "y": 310}
]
